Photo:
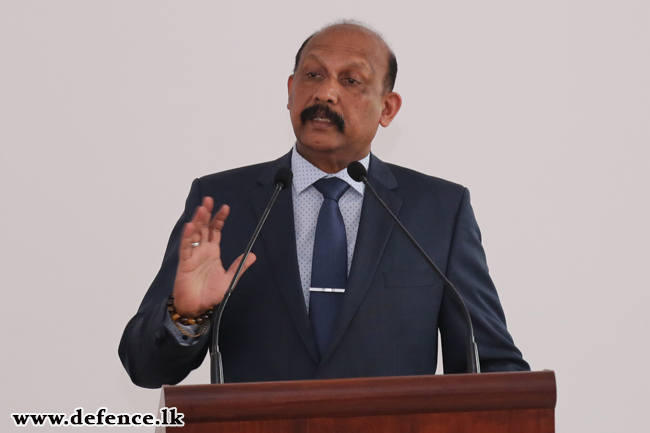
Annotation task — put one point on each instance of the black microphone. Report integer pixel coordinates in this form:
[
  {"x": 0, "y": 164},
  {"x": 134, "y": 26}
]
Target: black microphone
[
  {"x": 282, "y": 179},
  {"x": 358, "y": 173}
]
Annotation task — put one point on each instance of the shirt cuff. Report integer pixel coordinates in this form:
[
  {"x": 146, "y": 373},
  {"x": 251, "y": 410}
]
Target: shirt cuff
[{"x": 181, "y": 338}]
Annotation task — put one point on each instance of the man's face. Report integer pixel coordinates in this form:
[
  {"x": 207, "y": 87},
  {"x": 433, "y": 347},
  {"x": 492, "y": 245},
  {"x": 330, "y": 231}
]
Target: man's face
[{"x": 336, "y": 96}]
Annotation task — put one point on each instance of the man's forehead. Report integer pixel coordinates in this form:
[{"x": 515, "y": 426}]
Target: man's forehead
[
  {"x": 357, "y": 41},
  {"x": 352, "y": 61}
]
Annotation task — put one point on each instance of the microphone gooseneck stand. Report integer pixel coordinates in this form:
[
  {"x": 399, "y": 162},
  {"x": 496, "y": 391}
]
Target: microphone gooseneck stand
[
  {"x": 358, "y": 173},
  {"x": 282, "y": 179}
]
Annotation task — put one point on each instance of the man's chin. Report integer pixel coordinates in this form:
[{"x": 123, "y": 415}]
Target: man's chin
[
  {"x": 320, "y": 140},
  {"x": 317, "y": 146}
]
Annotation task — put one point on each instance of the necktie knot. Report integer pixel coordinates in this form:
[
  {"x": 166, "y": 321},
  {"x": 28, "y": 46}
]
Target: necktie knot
[{"x": 332, "y": 187}]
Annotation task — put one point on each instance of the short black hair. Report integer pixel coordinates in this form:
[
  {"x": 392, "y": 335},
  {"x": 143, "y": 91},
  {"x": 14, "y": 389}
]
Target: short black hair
[{"x": 391, "y": 74}]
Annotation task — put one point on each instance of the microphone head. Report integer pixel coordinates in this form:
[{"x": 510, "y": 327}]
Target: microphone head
[
  {"x": 284, "y": 176},
  {"x": 357, "y": 171}
]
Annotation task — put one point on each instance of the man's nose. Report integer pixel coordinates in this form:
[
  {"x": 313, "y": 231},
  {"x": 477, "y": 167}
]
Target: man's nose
[{"x": 327, "y": 91}]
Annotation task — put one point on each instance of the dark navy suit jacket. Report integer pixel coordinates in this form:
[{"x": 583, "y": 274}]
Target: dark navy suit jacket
[{"x": 393, "y": 307}]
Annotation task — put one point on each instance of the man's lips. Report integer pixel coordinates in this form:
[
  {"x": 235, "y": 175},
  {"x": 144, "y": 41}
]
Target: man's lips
[
  {"x": 321, "y": 119},
  {"x": 322, "y": 116}
]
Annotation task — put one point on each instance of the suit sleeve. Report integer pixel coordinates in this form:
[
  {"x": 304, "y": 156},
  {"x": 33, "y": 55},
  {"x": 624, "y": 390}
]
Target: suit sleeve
[
  {"x": 468, "y": 271},
  {"x": 150, "y": 353}
]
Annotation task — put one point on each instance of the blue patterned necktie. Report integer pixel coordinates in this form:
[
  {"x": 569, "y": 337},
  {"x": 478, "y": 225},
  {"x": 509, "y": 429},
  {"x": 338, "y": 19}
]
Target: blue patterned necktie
[{"x": 329, "y": 271}]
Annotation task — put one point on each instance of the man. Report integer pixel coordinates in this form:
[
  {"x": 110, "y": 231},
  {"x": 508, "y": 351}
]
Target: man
[{"x": 376, "y": 307}]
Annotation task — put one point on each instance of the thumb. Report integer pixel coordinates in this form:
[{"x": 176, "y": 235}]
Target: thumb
[{"x": 249, "y": 261}]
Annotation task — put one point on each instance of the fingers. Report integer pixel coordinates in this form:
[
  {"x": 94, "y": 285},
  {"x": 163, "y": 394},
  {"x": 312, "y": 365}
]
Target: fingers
[
  {"x": 208, "y": 203},
  {"x": 205, "y": 230},
  {"x": 190, "y": 235},
  {"x": 197, "y": 229},
  {"x": 203, "y": 218},
  {"x": 218, "y": 222},
  {"x": 202, "y": 213}
]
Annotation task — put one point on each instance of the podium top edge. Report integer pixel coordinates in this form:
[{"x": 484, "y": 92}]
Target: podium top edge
[{"x": 363, "y": 396}]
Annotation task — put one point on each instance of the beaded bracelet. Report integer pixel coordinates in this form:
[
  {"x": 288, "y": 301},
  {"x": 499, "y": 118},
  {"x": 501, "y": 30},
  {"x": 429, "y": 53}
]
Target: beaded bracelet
[{"x": 203, "y": 319}]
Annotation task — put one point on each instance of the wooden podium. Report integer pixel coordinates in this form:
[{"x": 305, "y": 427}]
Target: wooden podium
[{"x": 488, "y": 402}]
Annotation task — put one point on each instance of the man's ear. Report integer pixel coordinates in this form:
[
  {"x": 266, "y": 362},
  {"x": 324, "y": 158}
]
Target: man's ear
[
  {"x": 392, "y": 103},
  {"x": 289, "y": 87}
]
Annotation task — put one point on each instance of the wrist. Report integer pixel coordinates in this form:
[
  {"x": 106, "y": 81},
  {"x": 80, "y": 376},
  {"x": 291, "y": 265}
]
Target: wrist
[
  {"x": 200, "y": 318},
  {"x": 190, "y": 309}
]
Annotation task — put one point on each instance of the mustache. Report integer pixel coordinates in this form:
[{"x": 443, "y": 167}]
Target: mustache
[{"x": 320, "y": 110}]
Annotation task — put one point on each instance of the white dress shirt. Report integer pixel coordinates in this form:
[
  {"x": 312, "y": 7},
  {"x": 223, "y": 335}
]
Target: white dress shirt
[{"x": 307, "y": 201}]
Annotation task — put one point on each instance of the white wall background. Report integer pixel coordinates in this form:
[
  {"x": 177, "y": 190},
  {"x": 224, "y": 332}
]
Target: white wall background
[{"x": 108, "y": 110}]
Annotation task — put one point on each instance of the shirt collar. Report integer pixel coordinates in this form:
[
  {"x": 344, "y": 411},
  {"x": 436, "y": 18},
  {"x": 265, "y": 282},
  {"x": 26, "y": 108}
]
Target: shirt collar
[{"x": 305, "y": 173}]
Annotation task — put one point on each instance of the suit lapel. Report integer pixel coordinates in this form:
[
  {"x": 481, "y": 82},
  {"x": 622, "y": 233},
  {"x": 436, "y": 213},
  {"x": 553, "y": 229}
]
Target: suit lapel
[
  {"x": 375, "y": 228},
  {"x": 279, "y": 238}
]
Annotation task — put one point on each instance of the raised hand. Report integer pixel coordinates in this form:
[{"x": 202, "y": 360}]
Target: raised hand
[{"x": 201, "y": 280}]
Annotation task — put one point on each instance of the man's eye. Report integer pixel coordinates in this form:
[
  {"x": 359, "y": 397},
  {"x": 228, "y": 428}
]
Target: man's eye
[
  {"x": 350, "y": 81},
  {"x": 312, "y": 74}
]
